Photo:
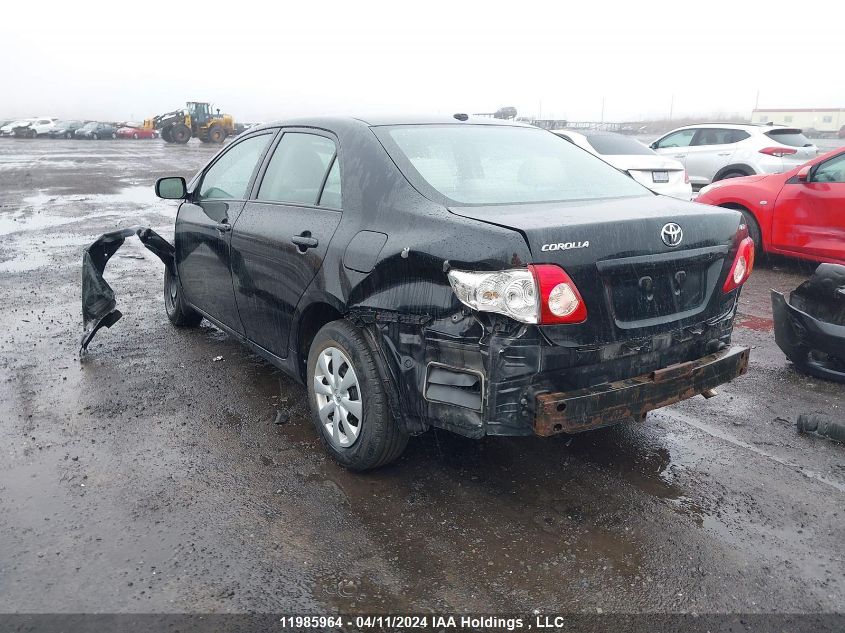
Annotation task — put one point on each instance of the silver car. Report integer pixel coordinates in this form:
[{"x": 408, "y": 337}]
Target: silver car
[{"x": 715, "y": 151}]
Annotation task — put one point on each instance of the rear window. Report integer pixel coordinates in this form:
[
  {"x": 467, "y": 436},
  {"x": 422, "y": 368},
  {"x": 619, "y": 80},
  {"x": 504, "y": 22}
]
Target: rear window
[
  {"x": 792, "y": 138},
  {"x": 617, "y": 145},
  {"x": 487, "y": 164}
]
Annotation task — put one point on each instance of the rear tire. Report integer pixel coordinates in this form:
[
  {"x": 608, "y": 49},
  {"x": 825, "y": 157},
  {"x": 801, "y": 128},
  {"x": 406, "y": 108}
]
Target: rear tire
[
  {"x": 95, "y": 136},
  {"x": 165, "y": 134},
  {"x": 216, "y": 134},
  {"x": 135, "y": 135},
  {"x": 179, "y": 312},
  {"x": 357, "y": 427},
  {"x": 732, "y": 174}
]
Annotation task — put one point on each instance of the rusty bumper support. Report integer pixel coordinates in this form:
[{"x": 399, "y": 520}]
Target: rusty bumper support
[{"x": 614, "y": 402}]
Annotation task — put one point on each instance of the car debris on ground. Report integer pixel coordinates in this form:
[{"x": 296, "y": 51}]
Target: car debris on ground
[
  {"x": 821, "y": 426},
  {"x": 810, "y": 327}
]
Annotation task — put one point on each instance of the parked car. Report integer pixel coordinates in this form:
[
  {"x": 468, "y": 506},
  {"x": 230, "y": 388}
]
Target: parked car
[
  {"x": 716, "y": 151},
  {"x": 35, "y": 127},
  {"x": 485, "y": 277},
  {"x": 661, "y": 174},
  {"x": 135, "y": 133},
  {"x": 9, "y": 128},
  {"x": 96, "y": 131},
  {"x": 65, "y": 129},
  {"x": 800, "y": 213}
]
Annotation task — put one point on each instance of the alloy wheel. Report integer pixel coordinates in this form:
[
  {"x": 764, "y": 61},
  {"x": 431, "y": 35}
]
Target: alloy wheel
[{"x": 338, "y": 395}]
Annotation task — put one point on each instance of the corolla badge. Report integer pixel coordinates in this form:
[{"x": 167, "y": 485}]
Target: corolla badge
[
  {"x": 565, "y": 246},
  {"x": 672, "y": 234}
]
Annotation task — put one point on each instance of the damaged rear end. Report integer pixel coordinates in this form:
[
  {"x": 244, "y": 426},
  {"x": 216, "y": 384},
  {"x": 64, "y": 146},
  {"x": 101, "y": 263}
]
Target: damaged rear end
[{"x": 626, "y": 306}]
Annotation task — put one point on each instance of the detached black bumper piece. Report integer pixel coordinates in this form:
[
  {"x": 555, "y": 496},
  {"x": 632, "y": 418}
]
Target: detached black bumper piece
[
  {"x": 810, "y": 327},
  {"x": 586, "y": 409},
  {"x": 99, "y": 306}
]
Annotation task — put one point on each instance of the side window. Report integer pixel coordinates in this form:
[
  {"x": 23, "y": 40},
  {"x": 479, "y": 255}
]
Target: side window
[
  {"x": 229, "y": 177},
  {"x": 298, "y": 168},
  {"x": 331, "y": 191},
  {"x": 678, "y": 139},
  {"x": 738, "y": 135},
  {"x": 831, "y": 171}
]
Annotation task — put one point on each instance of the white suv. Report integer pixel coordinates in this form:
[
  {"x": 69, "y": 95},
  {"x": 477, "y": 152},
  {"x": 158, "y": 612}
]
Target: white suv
[{"x": 715, "y": 151}]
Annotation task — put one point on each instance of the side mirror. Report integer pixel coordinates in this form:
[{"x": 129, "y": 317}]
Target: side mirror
[
  {"x": 803, "y": 174},
  {"x": 653, "y": 145},
  {"x": 172, "y": 188}
]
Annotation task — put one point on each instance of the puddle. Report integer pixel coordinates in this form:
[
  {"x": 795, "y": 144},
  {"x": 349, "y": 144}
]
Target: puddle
[{"x": 751, "y": 322}]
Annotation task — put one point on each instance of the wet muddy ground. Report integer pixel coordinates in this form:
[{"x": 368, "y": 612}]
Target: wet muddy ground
[{"x": 153, "y": 478}]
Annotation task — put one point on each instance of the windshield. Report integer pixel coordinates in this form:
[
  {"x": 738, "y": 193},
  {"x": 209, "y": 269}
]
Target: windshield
[
  {"x": 90, "y": 126},
  {"x": 487, "y": 164},
  {"x": 792, "y": 138},
  {"x": 617, "y": 145}
]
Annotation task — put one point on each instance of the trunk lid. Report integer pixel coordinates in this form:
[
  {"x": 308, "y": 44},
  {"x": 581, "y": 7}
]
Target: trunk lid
[{"x": 633, "y": 282}]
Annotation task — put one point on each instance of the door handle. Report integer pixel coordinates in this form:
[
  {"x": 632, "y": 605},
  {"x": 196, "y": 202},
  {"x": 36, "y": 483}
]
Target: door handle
[
  {"x": 680, "y": 155},
  {"x": 304, "y": 241},
  {"x": 223, "y": 227},
  {"x": 723, "y": 154}
]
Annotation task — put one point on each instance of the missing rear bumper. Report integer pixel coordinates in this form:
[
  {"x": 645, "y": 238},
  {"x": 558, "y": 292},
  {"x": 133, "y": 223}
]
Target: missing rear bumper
[{"x": 591, "y": 408}]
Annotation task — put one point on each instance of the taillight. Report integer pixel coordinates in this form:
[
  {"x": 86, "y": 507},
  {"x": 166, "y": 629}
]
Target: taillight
[
  {"x": 779, "y": 152},
  {"x": 560, "y": 301},
  {"x": 686, "y": 177},
  {"x": 542, "y": 293},
  {"x": 743, "y": 265}
]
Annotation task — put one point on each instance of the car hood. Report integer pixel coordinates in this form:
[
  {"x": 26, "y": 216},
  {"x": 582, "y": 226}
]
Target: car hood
[{"x": 643, "y": 162}]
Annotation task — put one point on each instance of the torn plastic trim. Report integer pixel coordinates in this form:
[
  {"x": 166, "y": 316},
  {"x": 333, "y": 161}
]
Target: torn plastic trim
[
  {"x": 99, "y": 305},
  {"x": 810, "y": 327}
]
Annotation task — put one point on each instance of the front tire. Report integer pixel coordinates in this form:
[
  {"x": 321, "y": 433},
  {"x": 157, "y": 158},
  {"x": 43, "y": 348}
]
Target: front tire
[
  {"x": 180, "y": 133},
  {"x": 349, "y": 405},
  {"x": 95, "y": 136},
  {"x": 179, "y": 312}
]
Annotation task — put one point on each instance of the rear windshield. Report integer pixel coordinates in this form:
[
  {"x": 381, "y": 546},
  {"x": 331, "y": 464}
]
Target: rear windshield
[
  {"x": 487, "y": 164},
  {"x": 617, "y": 145},
  {"x": 793, "y": 138}
]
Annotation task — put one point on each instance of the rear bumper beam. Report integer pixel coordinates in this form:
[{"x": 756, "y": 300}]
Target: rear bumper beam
[{"x": 585, "y": 409}]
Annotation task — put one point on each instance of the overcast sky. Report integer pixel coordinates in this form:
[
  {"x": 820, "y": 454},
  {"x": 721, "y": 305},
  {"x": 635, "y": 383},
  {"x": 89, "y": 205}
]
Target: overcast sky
[{"x": 116, "y": 62}]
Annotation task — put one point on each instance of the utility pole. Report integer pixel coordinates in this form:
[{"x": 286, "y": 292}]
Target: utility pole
[
  {"x": 602, "y": 109},
  {"x": 757, "y": 100},
  {"x": 671, "y": 106}
]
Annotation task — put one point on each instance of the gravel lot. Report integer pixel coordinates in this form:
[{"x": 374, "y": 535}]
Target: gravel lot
[{"x": 151, "y": 478}]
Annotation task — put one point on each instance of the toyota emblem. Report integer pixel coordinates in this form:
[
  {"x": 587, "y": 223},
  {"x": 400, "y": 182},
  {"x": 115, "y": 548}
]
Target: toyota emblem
[{"x": 672, "y": 234}]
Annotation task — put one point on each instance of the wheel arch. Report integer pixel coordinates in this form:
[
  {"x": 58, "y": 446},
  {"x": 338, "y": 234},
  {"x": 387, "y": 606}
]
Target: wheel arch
[
  {"x": 312, "y": 318},
  {"x": 753, "y": 214},
  {"x": 738, "y": 167}
]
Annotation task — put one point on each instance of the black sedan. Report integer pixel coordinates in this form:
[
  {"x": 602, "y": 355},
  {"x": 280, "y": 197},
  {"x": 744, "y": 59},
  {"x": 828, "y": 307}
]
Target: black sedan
[
  {"x": 65, "y": 129},
  {"x": 488, "y": 278},
  {"x": 96, "y": 131}
]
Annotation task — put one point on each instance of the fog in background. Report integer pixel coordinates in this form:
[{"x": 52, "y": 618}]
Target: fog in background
[{"x": 259, "y": 61}]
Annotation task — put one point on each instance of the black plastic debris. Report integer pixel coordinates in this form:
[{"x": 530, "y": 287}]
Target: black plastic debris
[
  {"x": 810, "y": 327},
  {"x": 99, "y": 306},
  {"x": 821, "y": 426}
]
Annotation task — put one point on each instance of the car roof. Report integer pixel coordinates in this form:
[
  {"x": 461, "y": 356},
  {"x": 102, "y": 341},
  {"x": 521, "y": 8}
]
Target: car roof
[
  {"x": 732, "y": 126},
  {"x": 382, "y": 119}
]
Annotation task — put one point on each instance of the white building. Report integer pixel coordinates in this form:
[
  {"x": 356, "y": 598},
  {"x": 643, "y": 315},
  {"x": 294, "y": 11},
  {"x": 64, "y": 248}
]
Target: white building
[{"x": 821, "y": 119}]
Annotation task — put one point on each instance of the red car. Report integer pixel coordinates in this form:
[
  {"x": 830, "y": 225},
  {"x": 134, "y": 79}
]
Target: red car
[
  {"x": 800, "y": 213},
  {"x": 135, "y": 132}
]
